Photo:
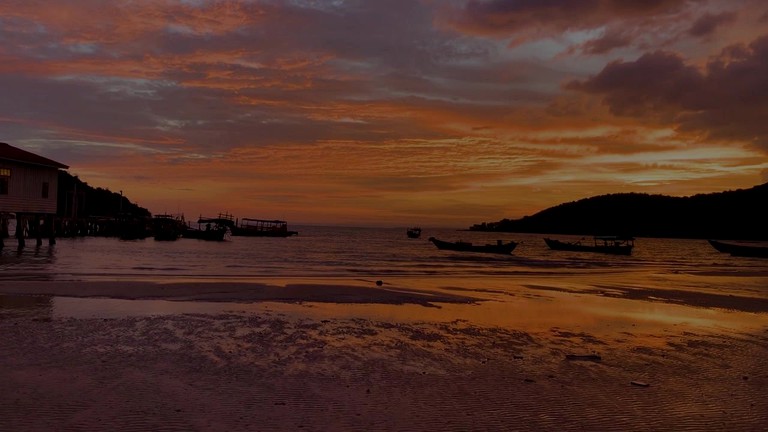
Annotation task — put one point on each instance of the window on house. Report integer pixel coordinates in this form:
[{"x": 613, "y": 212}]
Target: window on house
[
  {"x": 5, "y": 177},
  {"x": 45, "y": 189}
]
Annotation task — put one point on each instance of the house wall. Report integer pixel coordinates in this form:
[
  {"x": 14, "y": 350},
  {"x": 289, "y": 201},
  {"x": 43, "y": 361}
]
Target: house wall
[{"x": 25, "y": 189}]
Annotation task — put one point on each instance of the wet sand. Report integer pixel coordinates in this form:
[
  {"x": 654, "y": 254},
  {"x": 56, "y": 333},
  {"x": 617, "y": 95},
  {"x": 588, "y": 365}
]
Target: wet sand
[{"x": 409, "y": 355}]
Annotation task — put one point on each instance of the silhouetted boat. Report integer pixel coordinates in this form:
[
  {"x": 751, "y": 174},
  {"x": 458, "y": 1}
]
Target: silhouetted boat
[
  {"x": 414, "y": 232},
  {"x": 212, "y": 231},
  {"x": 740, "y": 250},
  {"x": 601, "y": 244},
  {"x": 133, "y": 228},
  {"x": 498, "y": 248},
  {"x": 262, "y": 228},
  {"x": 167, "y": 227},
  {"x": 253, "y": 227}
]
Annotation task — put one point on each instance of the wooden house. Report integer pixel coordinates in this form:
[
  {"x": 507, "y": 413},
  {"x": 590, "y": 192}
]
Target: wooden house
[{"x": 28, "y": 187}]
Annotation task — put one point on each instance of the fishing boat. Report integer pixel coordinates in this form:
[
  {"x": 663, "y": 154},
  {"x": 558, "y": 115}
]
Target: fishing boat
[
  {"x": 740, "y": 250},
  {"x": 133, "y": 228},
  {"x": 499, "y": 247},
  {"x": 248, "y": 227},
  {"x": 207, "y": 229},
  {"x": 166, "y": 227},
  {"x": 262, "y": 228},
  {"x": 414, "y": 232},
  {"x": 602, "y": 244}
]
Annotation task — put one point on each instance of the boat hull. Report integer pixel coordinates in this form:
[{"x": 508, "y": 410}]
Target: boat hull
[
  {"x": 413, "y": 233},
  {"x": 210, "y": 235},
  {"x": 498, "y": 248},
  {"x": 740, "y": 250},
  {"x": 576, "y": 247},
  {"x": 167, "y": 228},
  {"x": 251, "y": 232}
]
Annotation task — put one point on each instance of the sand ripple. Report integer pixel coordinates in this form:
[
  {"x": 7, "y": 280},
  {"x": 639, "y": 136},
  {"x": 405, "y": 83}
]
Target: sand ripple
[{"x": 269, "y": 372}]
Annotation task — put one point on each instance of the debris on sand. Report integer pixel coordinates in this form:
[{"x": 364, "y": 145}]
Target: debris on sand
[{"x": 583, "y": 357}]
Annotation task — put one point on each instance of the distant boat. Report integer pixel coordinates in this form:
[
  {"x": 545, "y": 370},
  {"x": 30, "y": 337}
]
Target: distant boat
[
  {"x": 414, "y": 232},
  {"x": 601, "y": 244},
  {"x": 167, "y": 227},
  {"x": 740, "y": 250},
  {"x": 248, "y": 227},
  {"x": 130, "y": 228},
  {"x": 212, "y": 231},
  {"x": 262, "y": 228},
  {"x": 498, "y": 248}
]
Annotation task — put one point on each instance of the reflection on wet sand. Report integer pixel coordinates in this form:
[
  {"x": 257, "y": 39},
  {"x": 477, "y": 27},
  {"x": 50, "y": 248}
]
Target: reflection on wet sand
[{"x": 458, "y": 354}]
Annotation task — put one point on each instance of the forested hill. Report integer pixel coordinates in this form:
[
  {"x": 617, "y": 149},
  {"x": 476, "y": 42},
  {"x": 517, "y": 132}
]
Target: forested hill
[
  {"x": 92, "y": 201},
  {"x": 739, "y": 214}
]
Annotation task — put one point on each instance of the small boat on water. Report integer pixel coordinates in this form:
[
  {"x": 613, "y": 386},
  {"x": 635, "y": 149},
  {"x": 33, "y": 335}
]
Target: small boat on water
[
  {"x": 413, "y": 232},
  {"x": 166, "y": 227},
  {"x": 499, "y": 247},
  {"x": 602, "y": 244},
  {"x": 254, "y": 227},
  {"x": 740, "y": 250},
  {"x": 133, "y": 228},
  {"x": 262, "y": 228},
  {"x": 207, "y": 229}
]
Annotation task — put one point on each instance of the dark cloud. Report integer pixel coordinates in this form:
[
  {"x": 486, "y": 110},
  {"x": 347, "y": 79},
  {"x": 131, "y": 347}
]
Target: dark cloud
[
  {"x": 652, "y": 83},
  {"x": 511, "y": 17},
  {"x": 707, "y": 24},
  {"x": 609, "y": 41},
  {"x": 724, "y": 100}
]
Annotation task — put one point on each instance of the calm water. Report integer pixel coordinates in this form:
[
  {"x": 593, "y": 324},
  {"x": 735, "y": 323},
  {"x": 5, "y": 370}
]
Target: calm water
[{"x": 349, "y": 252}]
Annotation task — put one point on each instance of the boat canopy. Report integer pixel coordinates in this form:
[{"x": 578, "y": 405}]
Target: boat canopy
[{"x": 614, "y": 238}]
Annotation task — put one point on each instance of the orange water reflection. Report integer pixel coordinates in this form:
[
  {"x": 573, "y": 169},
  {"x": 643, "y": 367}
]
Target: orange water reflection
[{"x": 553, "y": 304}]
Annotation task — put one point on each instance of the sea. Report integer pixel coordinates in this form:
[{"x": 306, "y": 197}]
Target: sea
[{"x": 353, "y": 253}]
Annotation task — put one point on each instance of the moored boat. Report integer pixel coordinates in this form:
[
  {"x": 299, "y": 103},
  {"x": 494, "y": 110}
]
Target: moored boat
[
  {"x": 740, "y": 250},
  {"x": 167, "y": 227},
  {"x": 601, "y": 244},
  {"x": 413, "y": 232},
  {"x": 499, "y": 247},
  {"x": 208, "y": 229},
  {"x": 248, "y": 227},
  {"x": 262, "y": 228}
]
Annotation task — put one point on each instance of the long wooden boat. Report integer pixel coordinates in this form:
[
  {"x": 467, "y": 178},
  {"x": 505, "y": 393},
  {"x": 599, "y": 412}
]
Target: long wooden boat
[
  {"x": 601, "y": 244},
  {"x": 740, "y": 250},
  {"x": 262, "y": 228},
  {"x": 167, "y": 227},
  {"x": 254, "y": 227},
  {"x": 207, "y": 229},
  {"x": 499, "y": 248}
]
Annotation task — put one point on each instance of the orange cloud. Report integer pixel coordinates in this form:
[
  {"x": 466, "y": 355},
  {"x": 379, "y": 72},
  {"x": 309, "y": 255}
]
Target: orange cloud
[{"x": 386, "y": 111}]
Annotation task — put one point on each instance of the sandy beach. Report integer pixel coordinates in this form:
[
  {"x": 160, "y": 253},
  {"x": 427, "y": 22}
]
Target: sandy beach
[{"x": 347, "y": 355}]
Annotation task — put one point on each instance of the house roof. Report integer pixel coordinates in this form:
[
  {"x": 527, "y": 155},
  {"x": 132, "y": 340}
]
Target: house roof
[{"x": 11, "y": 153}]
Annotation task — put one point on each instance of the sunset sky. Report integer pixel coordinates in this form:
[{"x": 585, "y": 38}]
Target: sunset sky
[{"x": 388, "y": 112}]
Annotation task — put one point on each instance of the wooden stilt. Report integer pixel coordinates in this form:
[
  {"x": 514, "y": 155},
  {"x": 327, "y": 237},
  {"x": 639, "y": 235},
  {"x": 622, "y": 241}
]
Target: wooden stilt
[
  {"x": 20, "y": 231},
  {"x": 38, "y": 231},
  {"x": 52, "y": 228}
]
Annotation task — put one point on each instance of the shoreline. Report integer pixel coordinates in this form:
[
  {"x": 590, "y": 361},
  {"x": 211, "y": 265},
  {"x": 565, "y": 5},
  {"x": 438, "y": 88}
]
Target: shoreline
[{"x": 296, "y": 290}]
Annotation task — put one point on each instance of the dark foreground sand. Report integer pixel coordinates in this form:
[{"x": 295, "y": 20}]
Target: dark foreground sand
[{"x": 354, "y": 357}]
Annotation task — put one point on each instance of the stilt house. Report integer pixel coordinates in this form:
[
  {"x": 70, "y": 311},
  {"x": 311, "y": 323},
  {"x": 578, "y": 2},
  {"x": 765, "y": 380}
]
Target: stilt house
[{"x": 28, "y": 186}]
